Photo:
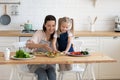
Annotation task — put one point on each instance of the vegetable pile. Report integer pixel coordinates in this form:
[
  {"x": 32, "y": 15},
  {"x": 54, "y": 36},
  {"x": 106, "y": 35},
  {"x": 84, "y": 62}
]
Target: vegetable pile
[
  {"x": 22, "y": 54},
  {"x": 52, "y": 54},
  {"x": 80, "y": 53}
]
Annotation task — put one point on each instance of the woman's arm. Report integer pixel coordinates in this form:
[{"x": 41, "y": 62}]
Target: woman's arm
[
  {"x": 31, "y": 45},
  {"x": 34, "y": 42}
]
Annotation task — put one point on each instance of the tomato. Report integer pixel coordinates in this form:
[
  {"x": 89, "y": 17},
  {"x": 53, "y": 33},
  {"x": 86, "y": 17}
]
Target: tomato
[{"x": 76, "y": 53}]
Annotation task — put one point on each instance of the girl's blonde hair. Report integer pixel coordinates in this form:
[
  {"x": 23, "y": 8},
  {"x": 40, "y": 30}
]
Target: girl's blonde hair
[{"x": 65, "y": 19}]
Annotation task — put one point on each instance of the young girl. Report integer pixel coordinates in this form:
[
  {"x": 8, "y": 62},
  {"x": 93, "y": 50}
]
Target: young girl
[{"x": 63, "y": 38}]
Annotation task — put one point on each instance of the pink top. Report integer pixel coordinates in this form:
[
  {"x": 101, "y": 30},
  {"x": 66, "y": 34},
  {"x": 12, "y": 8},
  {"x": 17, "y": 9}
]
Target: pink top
[{"x": 38, "y": 36}]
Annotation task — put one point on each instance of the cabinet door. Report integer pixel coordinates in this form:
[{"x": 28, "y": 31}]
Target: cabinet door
[
  {"x": 111, "y": 47},
  {"x": 5, "y": 72},
  {"x": 7, "y": 42},
  {"x": 24, "y": 38},
  {"x": 92, "y": 43}
]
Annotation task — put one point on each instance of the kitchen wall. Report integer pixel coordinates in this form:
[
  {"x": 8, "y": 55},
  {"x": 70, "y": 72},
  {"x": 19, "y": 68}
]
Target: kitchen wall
[{"x": 79, "y": 10}]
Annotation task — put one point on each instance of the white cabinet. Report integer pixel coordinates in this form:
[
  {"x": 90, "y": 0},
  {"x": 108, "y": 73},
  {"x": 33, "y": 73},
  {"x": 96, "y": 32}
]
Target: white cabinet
[
  {"x": 110, "y": 46},
  {"x": 24, "y": 38},
  {"x": 93, "y": 45},
  {"x": 6, "y": 42}
]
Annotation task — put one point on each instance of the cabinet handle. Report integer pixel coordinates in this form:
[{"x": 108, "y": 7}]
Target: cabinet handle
[
  {"x": 76, "y": 37},
  {"x": 115, "y": 37}
]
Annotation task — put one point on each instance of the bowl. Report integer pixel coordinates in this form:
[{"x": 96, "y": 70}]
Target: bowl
[{"x": 52, "y": 54}]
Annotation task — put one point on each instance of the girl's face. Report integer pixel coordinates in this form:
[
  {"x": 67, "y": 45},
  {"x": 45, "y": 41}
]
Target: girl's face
[
  {"x": 50, "y": 27},
  {"x": 64, "y": 27}
]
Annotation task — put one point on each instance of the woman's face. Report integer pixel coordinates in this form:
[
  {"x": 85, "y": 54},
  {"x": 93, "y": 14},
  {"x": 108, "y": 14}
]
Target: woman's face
[{"x": 50, "y": 27}]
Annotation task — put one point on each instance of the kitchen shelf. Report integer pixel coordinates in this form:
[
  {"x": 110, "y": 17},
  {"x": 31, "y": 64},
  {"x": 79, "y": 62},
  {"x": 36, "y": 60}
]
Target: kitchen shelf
[{"x": 10, "y": 3}]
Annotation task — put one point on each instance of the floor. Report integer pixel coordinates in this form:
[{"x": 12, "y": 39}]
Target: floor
[{"x": 6, "y": 72}]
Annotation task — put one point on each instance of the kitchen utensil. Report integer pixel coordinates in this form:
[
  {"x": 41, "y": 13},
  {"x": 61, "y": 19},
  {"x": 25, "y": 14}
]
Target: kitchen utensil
[
  {"x": 5, "y": 19},
  {"x": 27, "y": 26},
  {"x": 14, "y": 10},
  {"x": 92, "y": 20},
  {"x": 92, "y": 23},
  {"x": 117, "y": 24},
  {"x": 95, "y": 20}
]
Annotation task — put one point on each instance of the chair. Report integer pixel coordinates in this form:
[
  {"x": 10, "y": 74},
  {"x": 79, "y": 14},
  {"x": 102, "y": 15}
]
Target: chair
[
  {"x": 23, "y": 73},
  {"x": 22, "y": 70},
  {"x": 75, "y": 67}
]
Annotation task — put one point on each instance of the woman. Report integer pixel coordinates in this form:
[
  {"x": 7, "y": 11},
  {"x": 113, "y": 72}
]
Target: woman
[{"x": 42, "y": 41}]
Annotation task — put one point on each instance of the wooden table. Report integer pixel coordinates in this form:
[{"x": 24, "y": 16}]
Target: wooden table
[
  {"x": 92, "y": 58},
  {"x": 42, "y": 59}
]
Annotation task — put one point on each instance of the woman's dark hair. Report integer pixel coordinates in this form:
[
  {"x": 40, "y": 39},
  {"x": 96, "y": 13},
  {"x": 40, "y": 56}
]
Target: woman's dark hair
[{"x": 49, "y": 18}]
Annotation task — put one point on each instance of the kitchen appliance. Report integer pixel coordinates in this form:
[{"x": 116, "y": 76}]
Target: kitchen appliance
[
  {"x": 29, "y": 31},
  {"x": 27, "y": 26},
  {"x": 117, "y": 24}
]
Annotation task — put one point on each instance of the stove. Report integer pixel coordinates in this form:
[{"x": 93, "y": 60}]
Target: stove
[{"x": 29, "y": 31}]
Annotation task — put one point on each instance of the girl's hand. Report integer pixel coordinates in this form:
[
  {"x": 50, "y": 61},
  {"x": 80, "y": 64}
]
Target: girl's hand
[{"x": 65, "y": 52}]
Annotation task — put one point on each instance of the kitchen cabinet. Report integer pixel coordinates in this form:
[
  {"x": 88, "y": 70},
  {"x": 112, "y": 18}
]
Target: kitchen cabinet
[
  {"x": 7, "y": 42},
  {"x": 24, "y": 38},
  {"x": 92, "y": 44},
  {"x": 110, "y": 46}
]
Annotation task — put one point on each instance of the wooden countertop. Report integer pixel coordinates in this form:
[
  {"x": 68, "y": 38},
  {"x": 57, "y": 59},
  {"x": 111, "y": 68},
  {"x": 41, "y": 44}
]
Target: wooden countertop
[
  {"x": 42, "y": 59},
  {"x": 13, "y": 33},
  {"x": 96, "y": 33},
  {"x": 18, "y": 33}
]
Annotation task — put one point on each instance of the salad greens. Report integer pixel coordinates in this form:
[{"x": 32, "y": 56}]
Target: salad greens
[{"x": 22, "y": 54}]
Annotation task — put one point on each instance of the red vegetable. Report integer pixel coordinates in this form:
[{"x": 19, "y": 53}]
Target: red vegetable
[{"x": 76, "y": 53}]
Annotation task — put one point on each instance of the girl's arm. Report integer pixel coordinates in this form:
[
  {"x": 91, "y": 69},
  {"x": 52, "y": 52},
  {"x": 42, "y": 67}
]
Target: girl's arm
[{"x": 54, "y": 44}]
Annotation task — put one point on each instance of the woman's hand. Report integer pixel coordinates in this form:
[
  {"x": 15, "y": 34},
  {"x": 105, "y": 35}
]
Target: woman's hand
[
  {"x": 47, "y": 47},
  {"x": 30, "y": 44}
]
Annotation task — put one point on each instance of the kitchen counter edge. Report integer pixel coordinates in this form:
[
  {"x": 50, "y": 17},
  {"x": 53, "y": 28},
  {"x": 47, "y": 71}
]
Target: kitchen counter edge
[{"x": 18, "y": 33}]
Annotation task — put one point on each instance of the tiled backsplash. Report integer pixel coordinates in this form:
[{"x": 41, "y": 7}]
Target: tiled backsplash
[{"x": 79, "y": 10}]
